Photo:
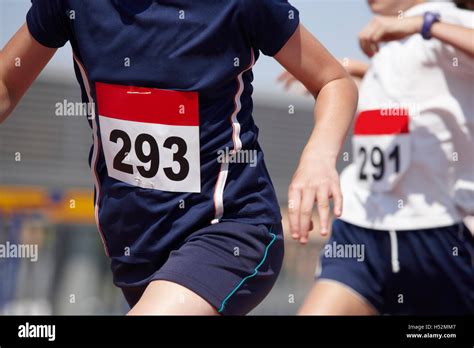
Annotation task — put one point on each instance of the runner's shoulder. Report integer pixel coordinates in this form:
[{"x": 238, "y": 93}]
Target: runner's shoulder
[{"x": 48, "y": 22}]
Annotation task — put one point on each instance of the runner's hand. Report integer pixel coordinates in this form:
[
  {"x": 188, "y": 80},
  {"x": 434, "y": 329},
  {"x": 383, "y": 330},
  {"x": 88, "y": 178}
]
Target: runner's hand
[
  {"x": 387, "y": 28},
  {"x": 289, "y": 80},
  {"x": 315, "y": 180}
]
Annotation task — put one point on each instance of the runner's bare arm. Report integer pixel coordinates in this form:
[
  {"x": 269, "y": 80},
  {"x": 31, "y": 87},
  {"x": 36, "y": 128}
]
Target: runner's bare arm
[
  {"x": 316, "y": 178},
  {"x": 390, "y": 28},
  {"x": 354, "y": 67},
  {"x": 357, "y": 69},
  {"x": 21, "y": 61},
  {"x": 460, "y": 37}
]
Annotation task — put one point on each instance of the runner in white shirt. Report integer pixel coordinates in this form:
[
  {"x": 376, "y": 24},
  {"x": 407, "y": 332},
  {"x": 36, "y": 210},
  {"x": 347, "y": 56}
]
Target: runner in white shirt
[{"x": 400, "y": 246}]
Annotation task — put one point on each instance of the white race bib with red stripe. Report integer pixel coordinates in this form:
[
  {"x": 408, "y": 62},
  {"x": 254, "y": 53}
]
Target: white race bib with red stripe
[
  {"x": 382, "y": 147},
  {"x": 150, "y": 137}
]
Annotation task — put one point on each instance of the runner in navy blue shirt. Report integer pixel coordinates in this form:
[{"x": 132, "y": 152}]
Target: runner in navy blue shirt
[{"x": 183, "y": 200}]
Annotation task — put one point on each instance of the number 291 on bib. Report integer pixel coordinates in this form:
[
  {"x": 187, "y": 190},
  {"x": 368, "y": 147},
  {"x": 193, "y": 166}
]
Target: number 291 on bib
[{"x": 381, "y": 148}]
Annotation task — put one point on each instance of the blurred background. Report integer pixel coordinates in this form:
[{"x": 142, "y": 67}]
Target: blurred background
[{"x": 46, "y": 185}]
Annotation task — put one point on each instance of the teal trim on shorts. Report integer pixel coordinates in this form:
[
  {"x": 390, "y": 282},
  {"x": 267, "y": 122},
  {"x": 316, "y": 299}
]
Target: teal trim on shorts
[{"x": 253, "y": 274}]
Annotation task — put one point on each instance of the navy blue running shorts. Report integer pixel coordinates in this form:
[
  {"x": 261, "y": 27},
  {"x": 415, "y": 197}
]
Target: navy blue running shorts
[
  {"x": 418, "y": 272},
  {"x": 233, "y": 266}
]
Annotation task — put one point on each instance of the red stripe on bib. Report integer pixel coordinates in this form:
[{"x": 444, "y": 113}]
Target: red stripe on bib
[
  {"x": 148, "y": 105},
  {"x": 382, "y": 122}
]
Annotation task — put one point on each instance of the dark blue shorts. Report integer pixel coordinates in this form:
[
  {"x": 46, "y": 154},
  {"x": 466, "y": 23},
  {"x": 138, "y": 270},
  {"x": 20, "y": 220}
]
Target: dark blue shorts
[
  {"x": 233, "y": 266},
  {"x": 422, "y": 272}
]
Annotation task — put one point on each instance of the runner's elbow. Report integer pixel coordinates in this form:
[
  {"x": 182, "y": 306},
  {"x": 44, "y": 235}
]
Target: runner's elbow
[
  {"x": 4, "y": 110},
  {"x": 347, "y": 87},
  {"x": 5, "y": 103}
]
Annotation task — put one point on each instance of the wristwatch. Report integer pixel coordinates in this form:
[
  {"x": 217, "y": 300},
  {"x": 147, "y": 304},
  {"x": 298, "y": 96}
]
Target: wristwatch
[{"x": 429, "y": 19}]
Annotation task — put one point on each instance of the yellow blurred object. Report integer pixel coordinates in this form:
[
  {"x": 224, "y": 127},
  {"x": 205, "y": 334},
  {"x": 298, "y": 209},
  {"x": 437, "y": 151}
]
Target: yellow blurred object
[
  {"x": 24, "y": 197},
  {"x": 73, "y": 205},
  {"x": 77, "y": 206}
]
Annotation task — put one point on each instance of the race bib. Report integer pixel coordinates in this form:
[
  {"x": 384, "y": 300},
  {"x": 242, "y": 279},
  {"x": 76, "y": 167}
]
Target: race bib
[
  {"x": 382, "y": 147},
  {"x": 150, "y": 137}
]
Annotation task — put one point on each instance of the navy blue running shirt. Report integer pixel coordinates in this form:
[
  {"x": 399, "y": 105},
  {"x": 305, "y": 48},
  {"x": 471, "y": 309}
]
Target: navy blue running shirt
[{"x": 171, "y": 82}]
